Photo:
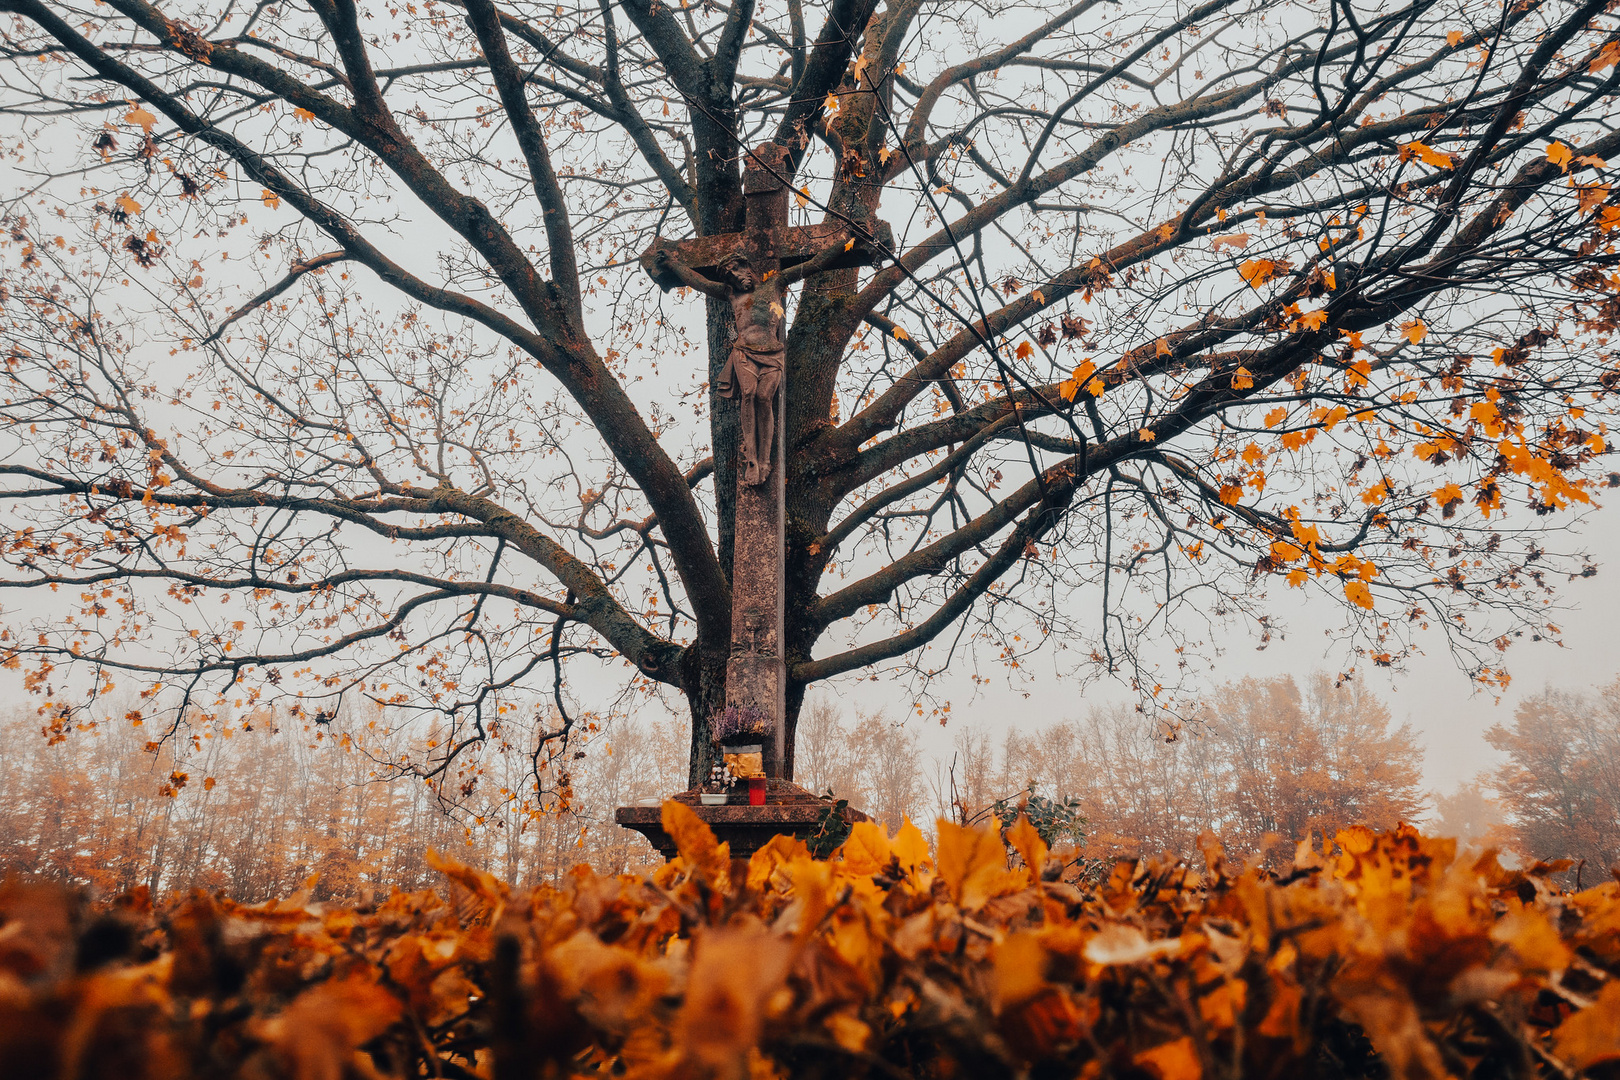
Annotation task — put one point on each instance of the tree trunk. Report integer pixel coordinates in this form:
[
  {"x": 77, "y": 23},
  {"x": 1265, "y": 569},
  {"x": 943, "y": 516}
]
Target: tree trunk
[{"x": 703, "y": 679}]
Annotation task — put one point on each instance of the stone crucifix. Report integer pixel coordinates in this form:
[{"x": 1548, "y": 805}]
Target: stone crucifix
[{"x": 752, "y": 270}]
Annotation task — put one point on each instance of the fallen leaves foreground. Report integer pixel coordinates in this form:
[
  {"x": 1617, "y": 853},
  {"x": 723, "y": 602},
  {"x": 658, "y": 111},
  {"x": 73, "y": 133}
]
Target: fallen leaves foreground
[{"x": 1381, "y": 955}]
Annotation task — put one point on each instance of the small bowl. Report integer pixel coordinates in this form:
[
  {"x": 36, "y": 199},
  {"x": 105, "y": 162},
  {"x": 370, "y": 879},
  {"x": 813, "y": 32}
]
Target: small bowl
[{"x": 717, "y": 798}]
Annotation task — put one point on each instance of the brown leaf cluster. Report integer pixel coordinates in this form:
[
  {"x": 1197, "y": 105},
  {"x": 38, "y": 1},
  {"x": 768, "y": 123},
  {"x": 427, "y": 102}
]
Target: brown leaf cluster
[{"x": 1378, "y": 955}]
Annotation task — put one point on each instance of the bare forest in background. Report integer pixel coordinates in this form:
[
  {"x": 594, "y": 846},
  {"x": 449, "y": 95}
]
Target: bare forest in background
[{"x": 258, "y": 809}]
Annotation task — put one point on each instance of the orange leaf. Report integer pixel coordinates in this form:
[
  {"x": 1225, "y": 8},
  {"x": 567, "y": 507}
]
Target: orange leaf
[
  {"x": 866, "y": 851},
  {"x": 734, "y": 973},
  {"x": 1276, "y": 416},
  {"x": 1146, "y": 434},
  {"x": 1428, "y": 155},
  {"x": 1313, "y": 320},
  {"x": 1592, "y": 1035},
  {"x": 1414, "y": 331},
  {"x": 1606, "y": 58},
  {"x": 1560, "y": 155},
  {"x": 1235, "y": 241},
  {"x": 1454, "y": 38},
  {"x": 141, "y": 116},
  {"x": 1285, "y": 552},
  {"x": 269, "y": 198},
  {"x": 909, "y": 846},
  {"x": 1358, "y": 594},
  {"x": 1259, "y": 271},
  {"x": 1242, "y": 379},
  {"x": 128, "y": 205},
  {"x": 1028, "y": 843},
  {"x": 969, "y": 861},
  {"x": 696, "y": 843},
  {"x": 1025, "y": 350}
]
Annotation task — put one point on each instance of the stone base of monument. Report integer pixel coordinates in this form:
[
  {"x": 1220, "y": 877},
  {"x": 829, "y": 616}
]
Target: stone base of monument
[{"x": 789, "y": 810}]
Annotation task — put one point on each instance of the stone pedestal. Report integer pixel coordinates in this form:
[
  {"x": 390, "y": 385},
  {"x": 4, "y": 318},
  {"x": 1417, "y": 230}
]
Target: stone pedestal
[{"x": 790, "y": 810}]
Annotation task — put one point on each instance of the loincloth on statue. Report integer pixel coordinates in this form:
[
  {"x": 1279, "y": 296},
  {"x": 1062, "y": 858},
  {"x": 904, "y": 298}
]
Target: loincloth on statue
[{"x": 751, "y": 371}]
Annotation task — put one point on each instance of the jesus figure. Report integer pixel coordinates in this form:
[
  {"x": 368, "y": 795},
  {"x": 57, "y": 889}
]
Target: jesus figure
[{"x": 753, "y": 371}]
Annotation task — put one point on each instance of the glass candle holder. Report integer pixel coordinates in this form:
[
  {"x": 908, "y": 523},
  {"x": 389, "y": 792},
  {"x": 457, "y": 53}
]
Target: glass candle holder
[{"x": 756, "y": 790}]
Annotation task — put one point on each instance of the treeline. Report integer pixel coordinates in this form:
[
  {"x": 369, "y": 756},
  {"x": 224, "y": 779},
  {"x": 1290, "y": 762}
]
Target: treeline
[
  {"x": 259, "y": 807},
  {"x": 1267, "y": 758}
]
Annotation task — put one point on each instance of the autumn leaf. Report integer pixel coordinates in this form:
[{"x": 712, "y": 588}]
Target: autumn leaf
[
  {"x": 909, "y": 846},
  {"x": 1559, "y": 155},
  {"x": 1313, "y": 320},
  {"x": 1276, "y": 416},
  {"x": 1439, "y": 159},
  {"x": 142, "y": 117},
  {"x": 1024, "y": 351},
  {"x": 1234, "y": 241},
  {"x": 1176, "y": 1060},
  {"x": 1487, "y": 414},
  {"x": 1607, "y": 57},
  {"x": 1017, "y": 970},
  {"x": 1454, "y": 38},
  {"x": 1121, "y": 943},
  {"x": 1242, "y": 379},
  {"x": 695, "y": 841},
  {"x": 900, "y": 334},
  {"x": 1285, "y": 552},
  {"x": 1591, "y": 1035},
  {"x": 1028, "y": 843},
  {"x": 866, "y": 851},
  {"x": 969, "y": 860},
  {"x": 1259, "y": 271},
  {"x": 480, "y": 883},
  {"x": 127, "y": 204},
  {"x": 1414, "y": 331},
  {"x": 326, "y": 1023},
  {"x": 270, "y": 198},
  {"x": 734, "y": 973},
  {"x": 1358, "y": 594},
  {"x": 1146, "y": 434}
]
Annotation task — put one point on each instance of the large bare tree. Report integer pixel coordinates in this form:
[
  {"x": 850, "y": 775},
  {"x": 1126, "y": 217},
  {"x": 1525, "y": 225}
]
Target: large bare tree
[{"x": 330, "y": 368}]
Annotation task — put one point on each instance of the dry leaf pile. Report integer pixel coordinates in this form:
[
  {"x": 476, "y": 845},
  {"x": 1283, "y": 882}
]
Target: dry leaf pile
[{"x": 1380, "y": 956}]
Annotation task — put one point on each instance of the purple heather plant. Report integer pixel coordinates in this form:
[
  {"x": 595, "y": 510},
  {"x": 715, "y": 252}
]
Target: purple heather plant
[{"x": 738, "y": 722}]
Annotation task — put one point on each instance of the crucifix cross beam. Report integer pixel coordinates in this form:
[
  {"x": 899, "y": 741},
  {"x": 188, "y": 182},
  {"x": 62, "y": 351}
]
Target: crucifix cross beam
[{"x": 796, "y": 244}]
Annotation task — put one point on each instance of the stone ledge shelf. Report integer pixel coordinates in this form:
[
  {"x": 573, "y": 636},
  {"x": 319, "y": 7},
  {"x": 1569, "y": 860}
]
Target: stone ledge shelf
[{"x": 789, "y": 810}]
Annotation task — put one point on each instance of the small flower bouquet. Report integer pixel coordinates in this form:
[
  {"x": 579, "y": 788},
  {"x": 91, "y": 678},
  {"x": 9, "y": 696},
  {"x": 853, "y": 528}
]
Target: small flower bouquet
[{"x": 717, "y": 788}]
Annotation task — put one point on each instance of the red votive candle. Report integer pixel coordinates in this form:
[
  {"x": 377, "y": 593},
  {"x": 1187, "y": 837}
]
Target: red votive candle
[{"x": 756, "y": 791}]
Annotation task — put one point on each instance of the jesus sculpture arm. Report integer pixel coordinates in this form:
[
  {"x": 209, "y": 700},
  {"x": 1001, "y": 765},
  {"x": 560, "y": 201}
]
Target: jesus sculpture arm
[{"x": 665, "y": 259}]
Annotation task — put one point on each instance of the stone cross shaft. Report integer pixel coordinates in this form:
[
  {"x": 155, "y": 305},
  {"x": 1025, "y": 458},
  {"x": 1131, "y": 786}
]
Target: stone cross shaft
[{"x": 756, "y": 672}]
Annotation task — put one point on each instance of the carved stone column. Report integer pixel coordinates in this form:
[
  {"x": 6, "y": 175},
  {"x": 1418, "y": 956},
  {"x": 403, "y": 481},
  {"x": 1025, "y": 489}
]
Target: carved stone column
[{"x": 756, "y": 673}]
